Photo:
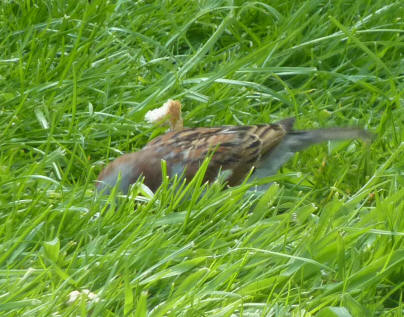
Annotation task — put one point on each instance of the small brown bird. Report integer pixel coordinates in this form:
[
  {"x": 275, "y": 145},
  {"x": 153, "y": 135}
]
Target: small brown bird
[{"x": 236, "y": 150}]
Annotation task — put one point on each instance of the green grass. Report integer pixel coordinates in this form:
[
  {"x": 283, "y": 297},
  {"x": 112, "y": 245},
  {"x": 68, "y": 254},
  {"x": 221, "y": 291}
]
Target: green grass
[{"x": 77, "y": 77}]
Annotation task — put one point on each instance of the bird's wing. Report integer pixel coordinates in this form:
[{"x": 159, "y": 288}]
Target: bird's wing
[{"x": 236, "y": 149}]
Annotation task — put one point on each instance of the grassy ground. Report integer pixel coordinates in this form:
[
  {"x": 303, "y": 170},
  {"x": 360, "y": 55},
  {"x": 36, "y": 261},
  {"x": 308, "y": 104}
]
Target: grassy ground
[{"x": 76, "y": 78}]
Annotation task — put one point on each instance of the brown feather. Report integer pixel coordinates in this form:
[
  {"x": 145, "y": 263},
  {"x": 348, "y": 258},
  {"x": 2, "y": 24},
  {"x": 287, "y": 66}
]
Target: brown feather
[{"x": 236, "y": 150}]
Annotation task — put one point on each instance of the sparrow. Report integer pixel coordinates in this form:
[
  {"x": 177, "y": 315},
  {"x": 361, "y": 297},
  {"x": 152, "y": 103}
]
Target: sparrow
[{"x": 234, "y": 150}]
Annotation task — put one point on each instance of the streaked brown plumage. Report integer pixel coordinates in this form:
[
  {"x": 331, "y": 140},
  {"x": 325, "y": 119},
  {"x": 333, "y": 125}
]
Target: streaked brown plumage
[{"x": 236, "y": 149}]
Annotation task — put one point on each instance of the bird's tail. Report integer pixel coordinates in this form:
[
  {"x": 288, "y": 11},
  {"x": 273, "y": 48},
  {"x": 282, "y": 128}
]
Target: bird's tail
[
  {"x": 296, "y": 140},
  {"x": 299, "y": 140}
]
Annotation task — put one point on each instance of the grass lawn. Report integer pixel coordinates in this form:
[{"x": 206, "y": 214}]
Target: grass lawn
[{"x": 77, "y": 77}]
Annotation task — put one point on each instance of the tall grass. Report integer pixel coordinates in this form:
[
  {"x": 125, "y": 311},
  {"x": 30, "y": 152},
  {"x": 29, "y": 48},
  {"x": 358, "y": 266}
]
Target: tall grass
[{"x": 76, "y": 78}]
